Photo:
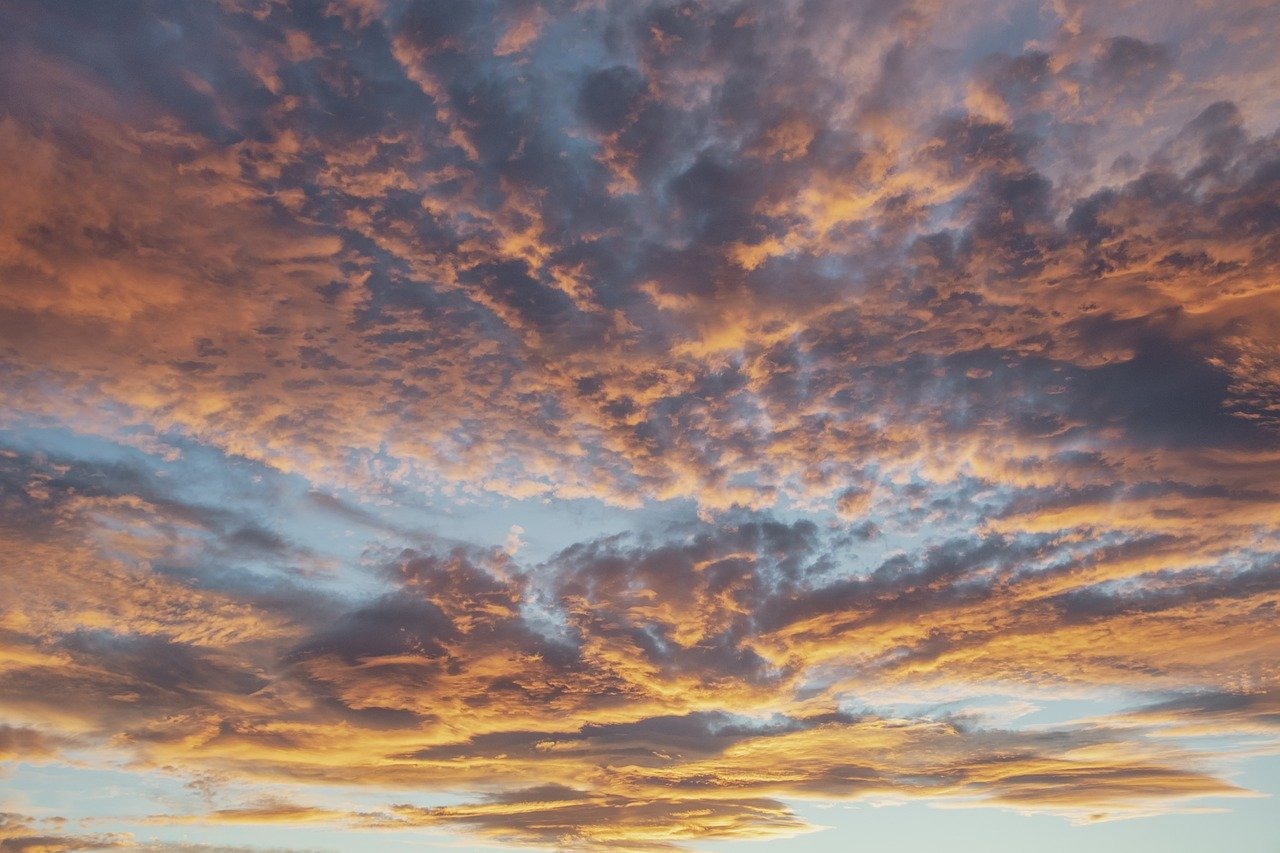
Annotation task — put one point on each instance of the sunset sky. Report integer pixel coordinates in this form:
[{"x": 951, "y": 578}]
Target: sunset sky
[{"x": 614, "y": 425}]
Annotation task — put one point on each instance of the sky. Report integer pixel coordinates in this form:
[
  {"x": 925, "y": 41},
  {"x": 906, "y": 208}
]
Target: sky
[{"x": 586, "y": 425}]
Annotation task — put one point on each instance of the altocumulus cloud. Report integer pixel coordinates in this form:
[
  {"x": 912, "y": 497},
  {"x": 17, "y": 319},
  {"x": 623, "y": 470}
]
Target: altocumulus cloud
[{"x": 911, "y": 353}]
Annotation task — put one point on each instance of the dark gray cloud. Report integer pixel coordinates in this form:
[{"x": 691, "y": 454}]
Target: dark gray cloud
[{"x": 1133, "y": 64}]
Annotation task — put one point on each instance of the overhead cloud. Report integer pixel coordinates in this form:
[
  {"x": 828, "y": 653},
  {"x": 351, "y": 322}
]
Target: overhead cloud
[{"x": 610, "y": 425}]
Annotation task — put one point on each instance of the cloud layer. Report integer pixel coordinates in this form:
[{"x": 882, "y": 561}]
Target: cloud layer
[{"x": 925, "y": 352}]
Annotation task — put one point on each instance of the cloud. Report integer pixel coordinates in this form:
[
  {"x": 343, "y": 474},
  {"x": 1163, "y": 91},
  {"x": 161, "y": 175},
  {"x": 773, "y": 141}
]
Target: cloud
[
  {"x": 563, "y": 818},
  {"x": 1131, "y": 62},
  {"x": 24, "y": 835},
  {"x": 921, "y": 351},
  {"x": 25, "y": 743}
]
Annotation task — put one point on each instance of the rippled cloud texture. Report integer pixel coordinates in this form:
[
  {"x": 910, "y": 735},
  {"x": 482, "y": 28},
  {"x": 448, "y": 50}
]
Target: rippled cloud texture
[{"x": 633, "y": 425}]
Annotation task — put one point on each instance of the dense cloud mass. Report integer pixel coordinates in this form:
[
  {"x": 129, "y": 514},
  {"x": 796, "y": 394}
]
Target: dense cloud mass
[{"x": 615, "y": 425}]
